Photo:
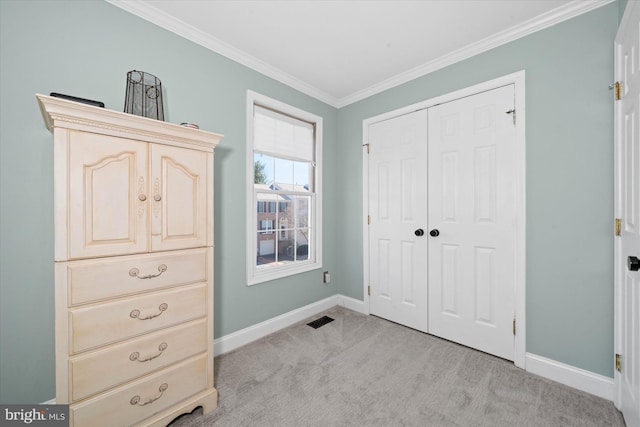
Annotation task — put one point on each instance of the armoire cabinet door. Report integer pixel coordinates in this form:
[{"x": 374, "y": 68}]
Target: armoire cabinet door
[
  {"x": 178, "y": 191},
  {"x": 107, "y": 196}
]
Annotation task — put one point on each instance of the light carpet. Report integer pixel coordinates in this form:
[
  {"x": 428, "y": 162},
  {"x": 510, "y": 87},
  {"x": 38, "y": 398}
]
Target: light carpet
[{"x": 365, "y": 371}]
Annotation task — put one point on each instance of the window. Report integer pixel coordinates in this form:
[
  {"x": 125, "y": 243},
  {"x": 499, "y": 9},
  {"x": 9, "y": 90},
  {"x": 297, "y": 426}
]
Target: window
[
  {"x": 284, "y": 225},
  {"x": 266, "y": 226}
]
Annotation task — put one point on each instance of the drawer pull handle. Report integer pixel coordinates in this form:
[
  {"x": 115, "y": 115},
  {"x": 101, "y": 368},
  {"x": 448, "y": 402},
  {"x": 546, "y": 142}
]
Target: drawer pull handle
[
  {"x": 134, "y": 272},
  {"x": 135, "y": 356},
  {"x": 135, "y": 400},
  {"x": 135, "y": 314}
]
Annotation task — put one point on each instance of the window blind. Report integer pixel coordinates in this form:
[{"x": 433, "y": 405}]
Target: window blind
[{"x": 282, "y": 136}]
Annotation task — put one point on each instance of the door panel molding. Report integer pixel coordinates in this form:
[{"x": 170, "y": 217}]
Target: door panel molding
[{"x": 518, "y": 80}]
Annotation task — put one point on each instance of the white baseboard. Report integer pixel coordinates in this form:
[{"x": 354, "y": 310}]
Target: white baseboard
[
  {"x": 244, "y": 336},
  {"x": 580, "y": 379},
  {"x": 352, "y": 304}
]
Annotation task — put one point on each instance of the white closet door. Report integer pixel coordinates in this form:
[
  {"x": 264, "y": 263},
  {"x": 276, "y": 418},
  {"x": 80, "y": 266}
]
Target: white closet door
[
  {"x": 471, "y": 152},
  {"x": 397, "y": 206}
]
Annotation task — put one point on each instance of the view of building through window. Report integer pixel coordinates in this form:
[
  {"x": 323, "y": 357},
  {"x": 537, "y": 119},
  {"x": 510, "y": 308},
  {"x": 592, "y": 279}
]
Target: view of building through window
[
  {"x": 284, "y": 221},
  {"x": 283, "y": 209}
]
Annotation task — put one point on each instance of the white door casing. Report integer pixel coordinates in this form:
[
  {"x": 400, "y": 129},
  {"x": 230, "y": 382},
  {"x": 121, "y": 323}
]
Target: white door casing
[
  {"x": 627, "y": 209},
  {"x": 397, "y": 197},
  {"x": 518, "y": 81},
  {"x": 471, "y": 203}
]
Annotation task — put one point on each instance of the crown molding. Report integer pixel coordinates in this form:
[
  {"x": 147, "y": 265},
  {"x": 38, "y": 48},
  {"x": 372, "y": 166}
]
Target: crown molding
[
  {"x": 145, "y": 10},
  {"x": 556, "y": 16}
]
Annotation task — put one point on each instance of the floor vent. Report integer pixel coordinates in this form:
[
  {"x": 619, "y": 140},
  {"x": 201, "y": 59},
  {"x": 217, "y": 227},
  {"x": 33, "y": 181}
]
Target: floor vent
[{"x": 320, "y": 322}]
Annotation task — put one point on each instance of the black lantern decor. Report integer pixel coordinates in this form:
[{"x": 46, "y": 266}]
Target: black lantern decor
[{"x": 144, "y": 95}]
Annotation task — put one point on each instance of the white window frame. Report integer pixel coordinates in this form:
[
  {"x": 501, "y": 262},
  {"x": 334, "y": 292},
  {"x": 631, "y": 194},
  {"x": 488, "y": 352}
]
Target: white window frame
[{"x": 255, "y": 275}]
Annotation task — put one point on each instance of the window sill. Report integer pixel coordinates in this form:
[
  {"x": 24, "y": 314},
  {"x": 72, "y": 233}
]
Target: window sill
[{"x": 256, "y": 276}]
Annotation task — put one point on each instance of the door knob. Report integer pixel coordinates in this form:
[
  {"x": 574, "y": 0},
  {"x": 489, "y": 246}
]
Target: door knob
[
  {"x": 435, "y": 232},
  {"x": 633, "y": 263},
  {"x": 419, "y": 232}
]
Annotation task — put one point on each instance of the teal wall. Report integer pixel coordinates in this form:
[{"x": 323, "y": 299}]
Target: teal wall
[
  {"x": 569, "y": 160},
  {"x": 622, "y": 4},
  {"x": 85, "y": 49}
]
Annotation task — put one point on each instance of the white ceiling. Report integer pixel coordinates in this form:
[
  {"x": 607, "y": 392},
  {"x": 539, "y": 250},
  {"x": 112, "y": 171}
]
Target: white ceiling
[{"x": 341, "y": 51}]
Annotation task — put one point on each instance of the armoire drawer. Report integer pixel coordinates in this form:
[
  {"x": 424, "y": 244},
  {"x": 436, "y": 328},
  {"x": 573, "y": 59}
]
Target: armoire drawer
[
  {"x": 108, "y": 367},
  {"x": 133, "y": 402},
  {"x": 101, "y": 324},
  {"x": 104, "y": 278}
]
